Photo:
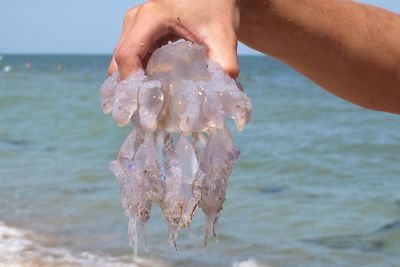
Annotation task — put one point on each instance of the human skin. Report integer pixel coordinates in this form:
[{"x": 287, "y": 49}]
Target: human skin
[
  {"x": 348, "y": 48},
  {"x": 211, "y": 23}
]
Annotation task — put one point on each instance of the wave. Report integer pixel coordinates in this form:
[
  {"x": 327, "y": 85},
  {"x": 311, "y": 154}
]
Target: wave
[
  {"x": 248, "y": 263},
  {"x": 19, "y": 248}
]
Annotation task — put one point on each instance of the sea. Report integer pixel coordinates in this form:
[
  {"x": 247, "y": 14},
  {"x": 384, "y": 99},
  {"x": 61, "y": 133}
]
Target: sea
[{"x": 317, "y": 182}]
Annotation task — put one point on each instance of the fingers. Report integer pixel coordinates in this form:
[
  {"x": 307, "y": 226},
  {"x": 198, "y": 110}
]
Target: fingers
[
  {"x": 223, "y": 50},
  {"x": 112, "y": 67},
  {"x": 129, "y": 20},
  {"x": 140, "y": 34},
  {"x": 150, "y": 25}
]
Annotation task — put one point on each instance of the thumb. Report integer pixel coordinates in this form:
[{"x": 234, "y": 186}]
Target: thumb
[{"x": 222, "y": 48}]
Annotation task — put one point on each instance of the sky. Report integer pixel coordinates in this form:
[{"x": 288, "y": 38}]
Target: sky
[{"x": 77, "y": 26}]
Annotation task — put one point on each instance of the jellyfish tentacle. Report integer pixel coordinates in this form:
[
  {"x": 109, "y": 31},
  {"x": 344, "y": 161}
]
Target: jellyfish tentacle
[{"x": 107, "y": 92}]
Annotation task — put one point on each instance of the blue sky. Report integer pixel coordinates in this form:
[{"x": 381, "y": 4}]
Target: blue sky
[{"x": 85, "y": 26}]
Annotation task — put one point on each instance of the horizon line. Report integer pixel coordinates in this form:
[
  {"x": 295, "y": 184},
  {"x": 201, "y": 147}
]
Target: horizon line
[{"x": 85, "y": 54}]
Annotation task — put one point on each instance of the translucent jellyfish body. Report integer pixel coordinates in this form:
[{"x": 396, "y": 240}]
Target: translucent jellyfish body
[{"x": 180, "y": 153}]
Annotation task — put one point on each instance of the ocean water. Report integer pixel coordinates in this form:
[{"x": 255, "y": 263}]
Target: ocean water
[{"x": 317, "y": 182}]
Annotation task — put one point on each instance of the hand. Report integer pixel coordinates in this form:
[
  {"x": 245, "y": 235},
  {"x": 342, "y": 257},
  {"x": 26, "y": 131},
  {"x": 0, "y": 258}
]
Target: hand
[{"x": 212, "y": 23}]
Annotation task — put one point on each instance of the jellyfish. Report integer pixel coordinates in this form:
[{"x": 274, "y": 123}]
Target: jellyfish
[{"x": 180, "y": 153}]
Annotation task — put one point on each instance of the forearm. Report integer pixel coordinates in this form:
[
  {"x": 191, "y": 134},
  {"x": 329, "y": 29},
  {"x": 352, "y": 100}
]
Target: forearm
[{"x": 350, "y": 49}]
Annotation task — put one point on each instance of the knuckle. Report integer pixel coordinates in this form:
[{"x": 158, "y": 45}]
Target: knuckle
[
  {"x": 156, "y": 13},
  {"x": 148, "y": 7},
  {"x": 121, "y": 54},
  {"x": 130, "y": 14},
  {"x": 154, "y": 10}
]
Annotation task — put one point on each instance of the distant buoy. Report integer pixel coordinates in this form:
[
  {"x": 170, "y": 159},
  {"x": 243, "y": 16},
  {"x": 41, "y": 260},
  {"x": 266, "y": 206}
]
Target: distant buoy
[
  {"x": 7, "y": 69},
  {"x": 28, "y": 65}
]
